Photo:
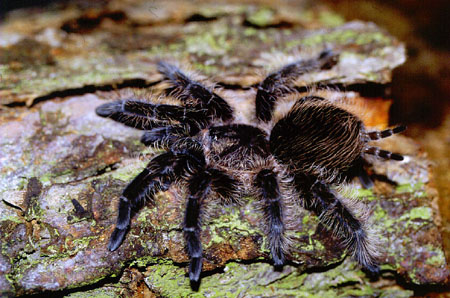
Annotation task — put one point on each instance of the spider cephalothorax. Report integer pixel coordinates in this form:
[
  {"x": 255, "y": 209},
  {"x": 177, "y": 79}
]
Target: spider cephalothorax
[{"x": 217, "y": 159}]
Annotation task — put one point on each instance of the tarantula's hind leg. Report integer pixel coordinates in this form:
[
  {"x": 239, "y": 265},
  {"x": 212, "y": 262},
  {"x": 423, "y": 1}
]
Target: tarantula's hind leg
[
  {"x": 364, "y": 178},
  {"x": 358, "y": 170},
  {"x": 335, "y": 215},
  {"x": 376, "y": 135},
  {"x": 268, "y": 190},
  {"x": 383, "y": 153},
  {"x": 155, "y": 177}
]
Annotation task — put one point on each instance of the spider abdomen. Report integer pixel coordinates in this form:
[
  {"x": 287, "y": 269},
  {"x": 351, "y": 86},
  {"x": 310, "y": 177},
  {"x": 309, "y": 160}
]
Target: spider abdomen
[{"x": 317, "y": 138}]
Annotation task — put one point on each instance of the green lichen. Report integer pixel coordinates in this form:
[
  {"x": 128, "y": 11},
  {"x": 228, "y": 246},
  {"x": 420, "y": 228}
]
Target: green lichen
[
  {"x": 383, "y": 219},
  {"x": 97, "y": 293},
  {"x": 97, "y": 276},
  {"x": 416, "y": 217},
  {"x": 230, "y": 225},
  {"x": 342, "y": 37},
  {"x": 423, "y": 213},
  {"x": 438, "y": 258},
  {"x": 47, "y": 78},
  {"x": 260, "y": 280},
  {"x": 83, "y": 243},
  {"x": 12, "y": 218},
  {"x": 213, "y": 42},
  {"x": 417, "y": 189},
  {"x": 26, "y": 261},
  {"x": 250, "y": 31},
  {"x": 46, "y": 179},
  {"x": 33, "y": 210},
  {"x": 365, "y": 194},
  {"x": 128, "y": 172},
  {"x": 306, "y": 219},
  {"x": 330, "y": 19},
  {"x": 262, "y": 17},
  {"x": 144, "y": 214},
  {"x": 64, "y": 176},
  {"x": 388, "y": 267},
  {"x": 147, "y": 260}
]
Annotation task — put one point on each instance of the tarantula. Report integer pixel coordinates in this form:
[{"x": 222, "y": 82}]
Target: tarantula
[{"x": 218, "y": 159}]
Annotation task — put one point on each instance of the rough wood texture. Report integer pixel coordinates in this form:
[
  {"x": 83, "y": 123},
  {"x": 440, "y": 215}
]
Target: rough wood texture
[{"x": 62, "y": 168}]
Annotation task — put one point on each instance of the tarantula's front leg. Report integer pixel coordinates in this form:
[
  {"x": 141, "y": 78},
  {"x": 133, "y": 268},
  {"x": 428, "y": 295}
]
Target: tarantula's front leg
[
  {"x": 190, "y": 91},
  {"x": 204, "y": 183},
  {"x": 199, "y": 187},
  {"x": 279, "y": 82},
  {"x": 166, "y": 135},
  {"x": 157, "y": 176},
  {"x": 198, "y": 190},
  {"x": 335, "y": 215},
  {"x": 268, "y": 190},
  {"x": 147, "y": 116}
]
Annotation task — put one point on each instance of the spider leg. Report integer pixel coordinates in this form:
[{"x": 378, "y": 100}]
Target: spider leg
[
  {"x": 376, "y": 135},
  {"x": 147, "y": 116},
  {"x": 187, "y": 89},
  {"x": 157, "y": 176},
  {"x": 267, "y": 184},
  {"x": 358, "y": 170},
  {"x": 364, "y": 178},
  {"x": 279, "y": 82},
  {"x": 383, "y": 153},
  {"x": 199, "y": 186},
  {"x": 164, "y": 136},
  {"x": 336, "y": 216},
  {"x": 200, "y": 182}
]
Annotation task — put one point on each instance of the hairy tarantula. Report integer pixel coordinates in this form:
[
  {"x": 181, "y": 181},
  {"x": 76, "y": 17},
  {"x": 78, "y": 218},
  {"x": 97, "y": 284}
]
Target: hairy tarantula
[{"x": 217, "y": 158}]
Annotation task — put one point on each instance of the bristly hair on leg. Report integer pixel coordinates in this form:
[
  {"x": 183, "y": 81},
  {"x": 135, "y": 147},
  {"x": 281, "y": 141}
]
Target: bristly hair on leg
[
  {"x": 376, "y": 135},
  {"x": 274, "y": 190},
  {"x": 157, "y": 176},
  {"x": 266, "y": 181},
  {"x": 348, "y": 220},
  {"x": 194, "y": 93},
  {"x": 383, "y": 153},
  {"x": 280, "y": 82}
]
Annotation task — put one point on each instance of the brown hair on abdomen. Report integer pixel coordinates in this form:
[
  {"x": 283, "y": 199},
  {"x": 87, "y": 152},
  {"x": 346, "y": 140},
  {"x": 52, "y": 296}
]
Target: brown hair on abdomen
[{"x": 317, "y": 138}]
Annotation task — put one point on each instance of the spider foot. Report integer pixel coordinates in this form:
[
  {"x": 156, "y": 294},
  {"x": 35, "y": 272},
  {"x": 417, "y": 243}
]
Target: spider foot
[
  {"x": 195, "y": 268},
  {"x": 116, "y": 239},
  {"x": 279, "y": 260},
  {"x": 107, "y": 109}
]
